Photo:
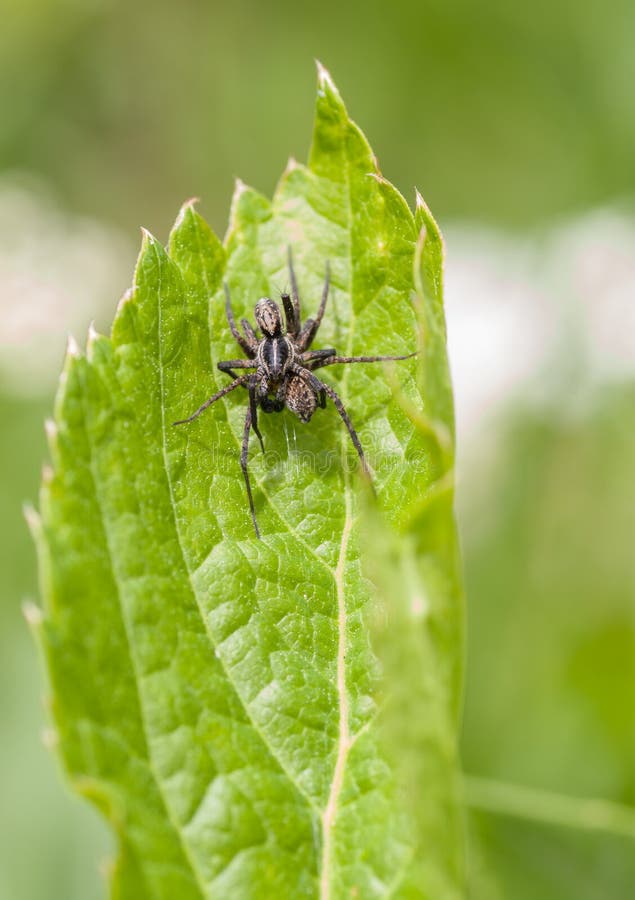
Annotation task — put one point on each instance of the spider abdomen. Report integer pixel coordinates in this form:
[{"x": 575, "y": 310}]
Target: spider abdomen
[{"x": 300, "y": 398}]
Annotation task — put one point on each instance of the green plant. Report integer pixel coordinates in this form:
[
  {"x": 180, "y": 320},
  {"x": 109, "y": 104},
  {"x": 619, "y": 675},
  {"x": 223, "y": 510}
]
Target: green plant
[{"x": 260, "y": 718}]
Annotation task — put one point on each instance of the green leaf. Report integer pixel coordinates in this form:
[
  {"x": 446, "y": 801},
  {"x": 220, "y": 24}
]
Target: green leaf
[{"x": 231, "y": 703}]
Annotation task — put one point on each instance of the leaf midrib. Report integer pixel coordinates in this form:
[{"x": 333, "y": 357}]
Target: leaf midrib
[{"x": 344, "y": 738}]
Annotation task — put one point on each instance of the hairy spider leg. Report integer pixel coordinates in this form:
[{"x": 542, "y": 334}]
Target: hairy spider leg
[
  {"x": 322, "y": 389},
  {"x": 230, "y": 387},
  {"x": 249, "y": 342},
  {"x": 292, "y": 304},
  {"x": 310, "y": 355},
  {"x": 310, "y": 328},
  {"x": 249, "y": 332},
  {"x": 289, "y": 315},
  {"x": 243, "y": 466},
  {"x": 253, "y": 406},
  {"x": 330, "y": 360},
  {"x": 339, "y": 406},
  {"x": 228, "y": 366}
]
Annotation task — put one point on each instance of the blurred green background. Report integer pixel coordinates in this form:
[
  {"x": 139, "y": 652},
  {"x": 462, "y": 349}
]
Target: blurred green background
[{"x": 517, "y": 124}]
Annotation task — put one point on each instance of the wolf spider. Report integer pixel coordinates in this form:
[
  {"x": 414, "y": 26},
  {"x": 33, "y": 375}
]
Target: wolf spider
[{"x": 284, "y": 369}]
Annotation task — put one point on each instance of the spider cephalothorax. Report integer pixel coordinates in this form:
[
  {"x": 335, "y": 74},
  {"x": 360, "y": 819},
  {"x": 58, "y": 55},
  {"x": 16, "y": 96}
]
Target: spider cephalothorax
[{"x": 284, "y": 367}]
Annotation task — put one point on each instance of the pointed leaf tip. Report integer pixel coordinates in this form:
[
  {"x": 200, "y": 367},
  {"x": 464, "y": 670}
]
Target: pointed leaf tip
[
  {"x": 93, "y": 334},
  {"x": 32, "y": 518},
  {"x": 239, "y": 189},
  {"x": 324, "y": 78},
  {"x": 126, "y": 297},
  {"x": 72, "y": 347},
  {"x": 186, "y": 207},
  {"x": 50, "y": 429},
  {"x": 147, "y": 237}
]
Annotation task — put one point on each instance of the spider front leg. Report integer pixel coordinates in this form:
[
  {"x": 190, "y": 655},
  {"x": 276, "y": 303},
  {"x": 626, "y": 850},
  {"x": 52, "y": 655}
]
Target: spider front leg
[
  {"x": 339, "y": 406},
  {"x": 292, "y": 325},
  {"x": 322, "y": 357},
  {"x": 253, "y": 406},
  {"x": 249, "y": 342},
  {"x": 317, "y": 362},
  {"x": 243, "y": 466},
  {"x": 230, "y": 387},
  {"x": 228, "y": 365},
  {"x": 312, "y": 355},
  {"x": 310, "y": 328},
  {"x": 291, "y": 303},
  {"x": 250, "y": 334}
]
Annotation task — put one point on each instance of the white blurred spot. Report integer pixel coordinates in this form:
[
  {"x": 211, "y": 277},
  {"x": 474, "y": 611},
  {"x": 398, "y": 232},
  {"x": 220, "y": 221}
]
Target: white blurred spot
[
  {"x": 33, "y": 614},
  {"x": 72, "y": 347},
  {"x": 50, "y": 428},
  {"x": 418, "y": 607},
  {"x": 57, "y": 272},
  {"x": 518, "y": 308},
  {"x": 50, "y": 738}
]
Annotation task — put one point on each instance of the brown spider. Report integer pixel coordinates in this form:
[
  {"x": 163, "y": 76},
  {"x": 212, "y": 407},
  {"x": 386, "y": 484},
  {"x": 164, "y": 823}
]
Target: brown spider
[{"x": 284, "y": 367}]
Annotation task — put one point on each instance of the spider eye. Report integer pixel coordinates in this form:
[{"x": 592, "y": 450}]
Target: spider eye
[{"x": 268, "y": 317}]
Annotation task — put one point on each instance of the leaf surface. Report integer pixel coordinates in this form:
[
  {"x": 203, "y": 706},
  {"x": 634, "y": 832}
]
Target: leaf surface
[{"x": 231, "y": 702}]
